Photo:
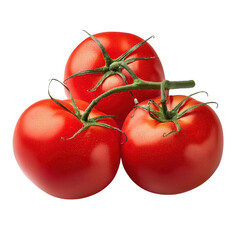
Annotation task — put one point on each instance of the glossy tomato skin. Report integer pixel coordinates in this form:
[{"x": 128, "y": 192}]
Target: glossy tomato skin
[
  {"x": 88, "y": 55},
  {"x": 68, "y": 169},
  {"x": 178, "y": 162}
]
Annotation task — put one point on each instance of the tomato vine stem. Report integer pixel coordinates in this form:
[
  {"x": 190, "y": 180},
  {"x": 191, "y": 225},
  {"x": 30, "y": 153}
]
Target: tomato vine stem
[{"x": 138, "y": 84}]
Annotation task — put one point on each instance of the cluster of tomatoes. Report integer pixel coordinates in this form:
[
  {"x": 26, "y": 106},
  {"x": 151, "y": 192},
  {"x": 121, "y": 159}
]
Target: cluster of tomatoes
[{"x": 69, "y": 156}]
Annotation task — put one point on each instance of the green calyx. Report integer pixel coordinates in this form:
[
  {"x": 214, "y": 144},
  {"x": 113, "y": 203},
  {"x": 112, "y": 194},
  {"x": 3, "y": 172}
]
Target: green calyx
[
  {"x": 162, "y": 114},
  {"x": 112, "y": 66},
  {"x": 86, "y": 123}
]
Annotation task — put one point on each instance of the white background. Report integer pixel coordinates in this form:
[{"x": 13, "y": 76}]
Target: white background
[{"x": 195, "y": 40}]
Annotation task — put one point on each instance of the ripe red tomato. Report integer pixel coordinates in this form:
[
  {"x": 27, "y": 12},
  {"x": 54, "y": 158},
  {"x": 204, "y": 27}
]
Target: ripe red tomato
[
  {"x": 178, "y": 162},
  {"x": 88, "y": 55},
  {"x": 74, "y": 168}
]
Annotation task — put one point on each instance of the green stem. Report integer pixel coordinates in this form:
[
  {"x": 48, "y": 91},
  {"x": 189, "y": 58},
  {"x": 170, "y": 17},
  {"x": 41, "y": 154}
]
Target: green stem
[
  {"x": 164, "y": 100},
  {"x": 131, "y": 72},
  {"x": 138, "y": 84},
  {"x": 179, "y": 84}
]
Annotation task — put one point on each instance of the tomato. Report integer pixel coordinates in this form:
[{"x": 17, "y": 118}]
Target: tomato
[
  {"x": 74, "y": 168},
  {"x": 88, "y": 55},
  {"x": 174, "y": 163}
]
